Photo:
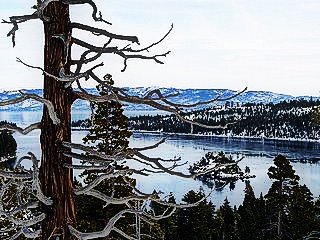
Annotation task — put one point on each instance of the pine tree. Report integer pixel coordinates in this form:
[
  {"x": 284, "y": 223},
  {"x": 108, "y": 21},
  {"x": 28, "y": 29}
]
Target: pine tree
[
  {"x": 108, "y": 132},
  {"x": 195, "y": 222},
  {"x": 228, "y": 222},
  {"x": 277, "y": 198},
  {"x": 301, "y": 212},
  {"x": 250, "y": 222},
  {"x": 108, "y": 126},
  {"x": 219, "y": 178},
  {"x": 8, "y": 145},
  {"x": 168, "y": 225}
]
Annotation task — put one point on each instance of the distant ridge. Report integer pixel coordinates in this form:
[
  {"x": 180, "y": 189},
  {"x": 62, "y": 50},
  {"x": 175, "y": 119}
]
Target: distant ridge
[{"x": 185, "y": 96}]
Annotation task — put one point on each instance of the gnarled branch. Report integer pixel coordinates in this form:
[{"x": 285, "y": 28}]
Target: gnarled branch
[
  {"x": 103, "y": 32},
  {"x": 20, "y": 130},
  {"x": 94, "y": 8},
  {"x": 15, "y": 20}
]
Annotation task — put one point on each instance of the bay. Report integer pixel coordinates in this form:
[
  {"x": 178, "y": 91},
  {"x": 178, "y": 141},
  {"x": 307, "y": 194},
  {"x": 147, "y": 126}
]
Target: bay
[{"x": 258, "y": 156}]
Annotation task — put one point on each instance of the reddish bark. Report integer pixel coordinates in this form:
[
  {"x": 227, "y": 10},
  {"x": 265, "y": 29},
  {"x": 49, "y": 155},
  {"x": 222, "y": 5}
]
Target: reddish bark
[{"x": 56, "y": 180}]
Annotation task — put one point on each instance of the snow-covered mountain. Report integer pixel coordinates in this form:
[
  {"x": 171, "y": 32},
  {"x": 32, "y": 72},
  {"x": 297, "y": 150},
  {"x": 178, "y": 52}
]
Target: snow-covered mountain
[{"x": 185, "y": 96}]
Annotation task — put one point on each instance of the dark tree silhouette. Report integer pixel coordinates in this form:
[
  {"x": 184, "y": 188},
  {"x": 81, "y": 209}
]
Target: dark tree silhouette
[{"x": 284, "y": 179}]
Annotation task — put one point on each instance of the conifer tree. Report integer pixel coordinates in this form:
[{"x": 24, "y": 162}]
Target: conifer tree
[
  {"x": 301, "y": 212},
  {"x": 108, "y": 134},
  {"x": 250, "y": 218},
  {"x": 52, "y": 184},
  {"x": 108, "y": 126},
  {"x": 167, "y": 225},
  {"x": 228, "y": 222},
  {"x": 230, "y": 173},
  {"x": 277, "y": 198},
  {"x": 196, "y": 222},
  {"x": 8, "y": 145}
]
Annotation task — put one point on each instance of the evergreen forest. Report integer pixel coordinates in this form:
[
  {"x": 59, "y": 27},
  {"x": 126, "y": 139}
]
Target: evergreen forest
[
  {"x": 287, "y": 211},
  {"x": 285, "y": 120}
]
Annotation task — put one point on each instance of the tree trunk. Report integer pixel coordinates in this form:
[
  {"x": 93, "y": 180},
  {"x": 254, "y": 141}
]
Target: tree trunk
[
  {"x": 279, "y": 222},
  {"x": 56, "y": 180}
]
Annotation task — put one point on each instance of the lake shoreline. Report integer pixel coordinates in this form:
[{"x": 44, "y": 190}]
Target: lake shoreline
[{"x": 239, "y": 138}]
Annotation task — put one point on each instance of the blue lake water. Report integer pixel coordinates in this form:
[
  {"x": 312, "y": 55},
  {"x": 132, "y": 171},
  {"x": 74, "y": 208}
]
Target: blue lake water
[{"x": 258, "y": 156}]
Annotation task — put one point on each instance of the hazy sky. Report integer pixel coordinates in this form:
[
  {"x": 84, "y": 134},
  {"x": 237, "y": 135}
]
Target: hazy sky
[{"x": 262, "y": 44}]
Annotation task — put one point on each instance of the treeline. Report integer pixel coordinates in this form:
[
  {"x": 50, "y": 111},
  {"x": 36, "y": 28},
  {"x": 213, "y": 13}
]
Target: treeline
[
  {"x": 287, "y": 211},
  {"x": 294, "y": 119}
]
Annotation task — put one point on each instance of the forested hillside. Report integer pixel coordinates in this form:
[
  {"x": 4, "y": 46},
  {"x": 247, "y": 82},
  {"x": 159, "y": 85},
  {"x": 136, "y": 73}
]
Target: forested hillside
[{"x": 292, "y": 119}]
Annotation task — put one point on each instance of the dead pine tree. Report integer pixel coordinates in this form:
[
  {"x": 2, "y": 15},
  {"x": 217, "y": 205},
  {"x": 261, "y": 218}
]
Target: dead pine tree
[{"x": 51, "y": 187}]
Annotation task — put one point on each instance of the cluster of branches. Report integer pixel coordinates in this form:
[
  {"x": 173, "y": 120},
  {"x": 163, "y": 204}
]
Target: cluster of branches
[
  {"x": 96, "y": 160},
  {"x": 20, "y": 196}
]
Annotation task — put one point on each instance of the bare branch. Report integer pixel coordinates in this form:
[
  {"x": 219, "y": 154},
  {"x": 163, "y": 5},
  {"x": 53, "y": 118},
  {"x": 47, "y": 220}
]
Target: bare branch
[
  {"x": 119, "y": 52},
  {"x": 99, "y": 179},
  {"x": 94, "y": 8},
  {"x": 71, "y": 78},
  {"x": 146, "y": 101},
  {"x": 47, "y": 103},
  {"x": 219, "y": 98},
  {"x": 101, "y": 155},
  {"x": 84, "y": 60},
  {"x": 36, "y": 182},
  {"x": 139, "y": 212},
  {"x": 117, "y": 230},
  {"x": 150, "y": 147},
  {"x": 30, "y": 234},
  {"x": 159, "y": 106},
  {"x": 106, "y": 231},
  {"x": 15, "y": 175},
  {"x": 86, "y": 167},
  {"x": 94, "y": 48},
  {"x": 25, "y": 96},
  {"x": 63, "y": 77},
  {"x": 95, "y": 98},
  {"x": 151, "y": 45},
  {"x": 26, "y": 206},
  {"x": 35, "y": 179},
  {"x": 138, "y": 56},
  {"x": 87, "y": 158},
  {"x": 20, "y": 130},
  {"x": 15, "y": 20},
  {"x": 103, "y": 32}
]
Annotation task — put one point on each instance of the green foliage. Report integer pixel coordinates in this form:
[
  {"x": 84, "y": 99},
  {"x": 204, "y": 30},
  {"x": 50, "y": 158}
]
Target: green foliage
[
  {"x": 252, "y": 215},
  {"x": 301, "y": 212},
  {"x": 168, "y": 225},
  {"x": 282, "y": 172},
  {"x": 292, "y": 119},
  {"x": 108, "y": 127},
  {"x": 219, "y": 177},
  {"x": 196, "y": 221},
  {"x": 252, "y": 220},
  {"x": 108, "y": 133},
  {"x": 316, "y": 115},
  {"x": 227, "y": 217},
  {"x": 8, "y": 145},
  {"x": 290, "y": 207}
]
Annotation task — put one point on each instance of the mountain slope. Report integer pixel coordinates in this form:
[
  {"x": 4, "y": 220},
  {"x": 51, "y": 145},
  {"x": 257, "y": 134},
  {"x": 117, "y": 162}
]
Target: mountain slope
[{"x": 185, "y": 96}]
